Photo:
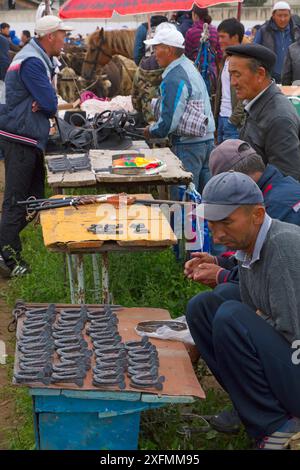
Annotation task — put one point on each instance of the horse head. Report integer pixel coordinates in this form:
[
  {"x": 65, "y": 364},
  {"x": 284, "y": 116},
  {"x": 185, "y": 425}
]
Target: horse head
[{"x": 98, "y": 54}]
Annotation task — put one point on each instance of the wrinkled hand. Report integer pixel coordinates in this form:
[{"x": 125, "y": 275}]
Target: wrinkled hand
[
  {"x": 35, "y": 107},
  {"x": 197, "y": 258},
  {"x": 206, "y": 274}
]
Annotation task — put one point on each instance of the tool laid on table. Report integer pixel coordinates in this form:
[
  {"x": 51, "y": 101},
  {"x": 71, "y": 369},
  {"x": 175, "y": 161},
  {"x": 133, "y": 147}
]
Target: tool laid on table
[
  {"x": 117, "y": 200},
  {"x": 69, "y": 164}
]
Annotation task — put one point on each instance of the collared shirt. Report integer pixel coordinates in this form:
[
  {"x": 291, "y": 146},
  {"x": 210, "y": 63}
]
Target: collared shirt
[
  {"x": 248, "y": 260},
  {"x": 248, "y": 104}
]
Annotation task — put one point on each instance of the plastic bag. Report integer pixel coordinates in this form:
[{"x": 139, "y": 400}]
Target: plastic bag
[{"x": 164, "y": 332}]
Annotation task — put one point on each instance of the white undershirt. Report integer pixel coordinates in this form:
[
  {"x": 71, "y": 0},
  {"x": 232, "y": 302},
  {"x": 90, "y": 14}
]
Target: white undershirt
[{"x": 226, "y": 107}]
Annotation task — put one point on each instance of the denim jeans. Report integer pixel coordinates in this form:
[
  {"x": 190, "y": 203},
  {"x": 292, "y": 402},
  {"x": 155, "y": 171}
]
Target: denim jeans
[
  {"x": 226, "y": 130},
  {"x": 195, "y": 157},
  {"x": 248, "y": 357}
]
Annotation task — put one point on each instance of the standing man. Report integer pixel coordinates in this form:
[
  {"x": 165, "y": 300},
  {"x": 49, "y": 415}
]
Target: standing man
[
  {"x": 249, "y": 344},
  {"x": 181, "y": 83},
  {"x": 278, "y": 34},
  {"x": 229, "y": 111},
  {"x": 24, "y": 128},
  {"x": 272, "y": 125},
  {"x": 26, "y": 37}
]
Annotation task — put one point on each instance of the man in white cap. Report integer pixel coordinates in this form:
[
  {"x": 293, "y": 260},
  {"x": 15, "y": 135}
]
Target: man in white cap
[
  {"x": 181, "y": 85},
  {"x": 278, "y": 33},
  {"x": 24, "y": 128}
]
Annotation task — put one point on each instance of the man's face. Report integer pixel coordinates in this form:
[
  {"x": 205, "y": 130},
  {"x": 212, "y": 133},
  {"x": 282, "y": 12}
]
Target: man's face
[
  {"x": 281, "y": 18},
  {"x": 57, "y": 42},
  {"x": 5, "y": 31},
  {"x": 247, "y": 84},
  {"x": 239, "y": 230},
  {"x": 225, "y": 40},
  {"x": 162, "y": 55},
  {"x": 24, "y": 39}
]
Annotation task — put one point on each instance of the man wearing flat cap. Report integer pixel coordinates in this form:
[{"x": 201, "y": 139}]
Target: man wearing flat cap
[
  {"x": 272, "y": 125},
  {"x": 249, "y": 343},
  {"x": 24, "y": 129}
]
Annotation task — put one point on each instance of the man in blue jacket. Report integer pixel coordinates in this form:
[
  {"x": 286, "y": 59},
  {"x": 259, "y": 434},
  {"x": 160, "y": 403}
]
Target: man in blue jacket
[
  {"x": 278, "y": 34},
  {"x": 24, "y": 128},
  {"x": 181, "y": 83}
]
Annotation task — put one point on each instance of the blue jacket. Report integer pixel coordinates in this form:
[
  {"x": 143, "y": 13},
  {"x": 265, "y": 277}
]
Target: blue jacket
[
  {"x": 282, "y": 201},
  {"x": 181, "y": 82},
  {"x": 139, "y": 46},
  {"x": 270, "y": 36},
  {"x": 4, "y": 56},
  {"x": 28, "y": 79}
]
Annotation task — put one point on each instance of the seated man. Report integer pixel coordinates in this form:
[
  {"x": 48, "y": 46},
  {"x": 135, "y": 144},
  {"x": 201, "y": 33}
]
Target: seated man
[
  {"x": 248, "y": 344},
  {"x": 281, "y": 198}
]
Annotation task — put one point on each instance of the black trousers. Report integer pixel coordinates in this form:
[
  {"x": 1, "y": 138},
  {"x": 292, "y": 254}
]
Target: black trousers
[{"x": 24, "y": 177}]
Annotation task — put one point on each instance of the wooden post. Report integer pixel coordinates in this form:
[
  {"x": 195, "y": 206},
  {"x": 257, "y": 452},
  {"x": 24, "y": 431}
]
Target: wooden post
[
  {"x": 47, "y": 7},
  {"x": 239, "y": 11}
]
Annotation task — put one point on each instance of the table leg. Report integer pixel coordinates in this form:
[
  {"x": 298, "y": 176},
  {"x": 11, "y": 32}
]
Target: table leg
[
  {"x": 80, "y": 279},
  {"x": 71, "y": 278},
  {"x": 105, "y": 279},
  {"x": 96, "y": 275}
]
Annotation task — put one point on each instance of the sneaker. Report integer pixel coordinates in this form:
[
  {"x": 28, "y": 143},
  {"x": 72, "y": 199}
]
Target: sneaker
[
  {"x": 278, "y": 440},
  {"x": 20, "y": 269},
  {"x": 227, "y": 421},
  {"x": 4, "y": 269}
]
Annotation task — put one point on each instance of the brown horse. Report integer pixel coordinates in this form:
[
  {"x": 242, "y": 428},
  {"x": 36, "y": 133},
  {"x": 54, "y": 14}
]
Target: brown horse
[{"x": 102, "y": 45}]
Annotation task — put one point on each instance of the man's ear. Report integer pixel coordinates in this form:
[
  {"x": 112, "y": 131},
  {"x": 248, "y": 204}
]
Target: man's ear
[{"x": 258, "y": 214}]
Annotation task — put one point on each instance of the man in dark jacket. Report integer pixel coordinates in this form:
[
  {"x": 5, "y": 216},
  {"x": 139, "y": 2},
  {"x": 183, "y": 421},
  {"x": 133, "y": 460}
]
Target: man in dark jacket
[
  {"x": 278, "y": 34},
  {"x": 272, "y": 125},
  {"x": 291, "y": 66},
  {"x": 24, "y": 128},
  {"x": 4, "y": 56}
]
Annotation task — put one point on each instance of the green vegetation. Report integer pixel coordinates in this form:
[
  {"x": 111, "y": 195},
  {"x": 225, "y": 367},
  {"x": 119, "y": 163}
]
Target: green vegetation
[{"x": 141, "y": 279}]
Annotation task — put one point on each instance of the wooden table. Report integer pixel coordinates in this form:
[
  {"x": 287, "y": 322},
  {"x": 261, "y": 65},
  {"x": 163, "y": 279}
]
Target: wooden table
[
  {"x": 101, "y": 160},
  {"x": 65, "y": 231},
  {"x": 68, "y": 417}
]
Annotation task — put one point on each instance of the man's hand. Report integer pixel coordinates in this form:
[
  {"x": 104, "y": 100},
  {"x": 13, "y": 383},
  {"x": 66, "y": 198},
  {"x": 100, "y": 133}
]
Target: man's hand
[
  {"x": 197, "y": 259},
  {"x": 206, "y": 274},
  {"x": 146, "y": 133},
  {"x": 35, "y": 107}
]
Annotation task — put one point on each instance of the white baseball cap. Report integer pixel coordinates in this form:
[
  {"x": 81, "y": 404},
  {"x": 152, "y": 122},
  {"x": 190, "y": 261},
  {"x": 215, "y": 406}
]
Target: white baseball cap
[
  {"x": 168, "y": 36},
  {"x": 49, "y": 24},
  {"x": 281, "y": 6}
]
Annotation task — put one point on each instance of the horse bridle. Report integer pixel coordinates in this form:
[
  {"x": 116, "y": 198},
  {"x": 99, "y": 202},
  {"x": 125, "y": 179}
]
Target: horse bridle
[{"x": 95, "y": 61}]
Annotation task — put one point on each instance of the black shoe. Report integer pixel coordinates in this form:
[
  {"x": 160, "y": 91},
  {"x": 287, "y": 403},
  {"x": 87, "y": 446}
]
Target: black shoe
[{"x": 227, "y": 421}]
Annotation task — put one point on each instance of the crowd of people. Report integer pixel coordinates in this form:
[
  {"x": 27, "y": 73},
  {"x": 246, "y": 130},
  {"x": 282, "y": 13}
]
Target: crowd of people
[{"x": 214, "y": 95}]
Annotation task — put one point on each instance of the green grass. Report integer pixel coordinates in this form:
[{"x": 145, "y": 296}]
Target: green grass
[{"x": 140, "y": 279}]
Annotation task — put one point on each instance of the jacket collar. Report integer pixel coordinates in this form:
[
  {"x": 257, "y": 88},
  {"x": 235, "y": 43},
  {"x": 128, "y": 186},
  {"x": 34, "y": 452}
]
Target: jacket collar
[
  {"x": 35, "y": 43},
  {"x": 268, "y": 176},
  {"x": 261, "y": 102}
]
